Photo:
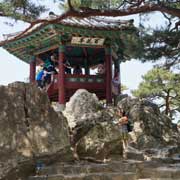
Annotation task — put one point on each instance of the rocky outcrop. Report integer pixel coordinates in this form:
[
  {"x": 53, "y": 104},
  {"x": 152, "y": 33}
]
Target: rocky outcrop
[
  {"x": 29, "y": 128},
  {"x": 96, "y": 135},
  {"x": 31, "y": 131},
  {"x": 151, "y": 128}
]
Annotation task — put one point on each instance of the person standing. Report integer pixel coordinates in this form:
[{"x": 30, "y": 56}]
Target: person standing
[
  {"x": 122, "y": 122},
  {"x": 39, "y": 78},
  {"x": 67, "y": 67},
  {"x": 77, "y": 70}
]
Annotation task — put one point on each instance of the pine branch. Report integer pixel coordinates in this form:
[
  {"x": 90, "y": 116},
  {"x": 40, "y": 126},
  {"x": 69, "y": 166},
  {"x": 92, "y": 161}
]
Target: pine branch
[
  {"x": 146, "y": 8},
  {"x": 70, "y": 5}
]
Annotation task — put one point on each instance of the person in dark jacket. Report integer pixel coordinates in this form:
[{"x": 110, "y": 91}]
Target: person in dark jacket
[{"x": 77, "y": 70}]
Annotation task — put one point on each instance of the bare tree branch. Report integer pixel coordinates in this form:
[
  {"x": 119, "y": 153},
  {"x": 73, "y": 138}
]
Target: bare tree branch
[
  {"x": 177, "y": 24},
  {"x": 168, "y": 18},
  {"x": 86, "y": 12},
  {"x": 70, "y": 5}
]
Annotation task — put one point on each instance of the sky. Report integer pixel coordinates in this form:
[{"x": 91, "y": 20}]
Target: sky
[{"x": 12, "y": 69}]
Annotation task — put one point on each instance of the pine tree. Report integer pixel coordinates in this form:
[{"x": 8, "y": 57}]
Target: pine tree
[
  {"x": 162, "y": 86},
  {"x": 25, "y": 10}
]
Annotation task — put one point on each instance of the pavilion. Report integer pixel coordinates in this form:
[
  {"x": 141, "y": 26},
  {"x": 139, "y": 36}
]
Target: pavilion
[{"x": 83, "y": 41}]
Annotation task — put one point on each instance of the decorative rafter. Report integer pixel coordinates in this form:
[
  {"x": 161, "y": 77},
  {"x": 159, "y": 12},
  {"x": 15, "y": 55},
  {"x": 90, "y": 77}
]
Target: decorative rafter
[{"x": 45, "y": 33}]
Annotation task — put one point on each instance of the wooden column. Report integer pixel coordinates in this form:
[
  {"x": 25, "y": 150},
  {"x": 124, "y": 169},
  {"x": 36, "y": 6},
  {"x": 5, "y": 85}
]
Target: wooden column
[
  {"x": 32, "y": 70},
  {"x": 61, "y": 77},
  {"x": 108, "y": 64},
  {"x": 86, "y": 66}
]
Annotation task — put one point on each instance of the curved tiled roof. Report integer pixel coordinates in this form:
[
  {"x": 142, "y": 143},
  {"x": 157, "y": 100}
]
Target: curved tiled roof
[
  {"x": 48, "y": 32},
  {"x": 99, "y": 23}
]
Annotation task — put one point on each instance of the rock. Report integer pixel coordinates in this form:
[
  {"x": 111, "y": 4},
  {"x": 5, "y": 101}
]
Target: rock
[
  {"x": 29, "y": 127},
  {"x": 169, "y": 153},
  {"x": 151, "y": 128},
  {"x": 120, "y": 97},
  {"x": 92, "y": 126},
  {"x": 101, "y": 142},
  {"x": 82, "y": 112},
  {"x": 82, "y": 106},
  {"x": 132, "y": 153},
  {"x": 95, "y": 134},
  {"x": 178, "y": 126}
]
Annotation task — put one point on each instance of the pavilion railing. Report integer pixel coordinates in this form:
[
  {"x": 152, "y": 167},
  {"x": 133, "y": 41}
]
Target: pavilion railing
[
  {"x": 81, "y": 78},
  {"x": 92, "y": 83}
]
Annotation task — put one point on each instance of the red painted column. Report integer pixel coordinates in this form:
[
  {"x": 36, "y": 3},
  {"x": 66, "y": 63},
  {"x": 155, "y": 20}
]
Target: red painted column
[
  {"x": 32, "y": 70},
  {"x": 108, "y": 63},
  {"x": 61, "y": 77}
]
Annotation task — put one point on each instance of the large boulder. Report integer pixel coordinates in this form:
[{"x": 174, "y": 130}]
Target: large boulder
[
  {"x": 92, "y": 126},
  {"x": 29, "y": 128},
  {"x": 151, "y": 129},
  {"x": 82, "y": 112},
  {"x": 82, "y": 106},
  {"x": 101, "y": 142}
]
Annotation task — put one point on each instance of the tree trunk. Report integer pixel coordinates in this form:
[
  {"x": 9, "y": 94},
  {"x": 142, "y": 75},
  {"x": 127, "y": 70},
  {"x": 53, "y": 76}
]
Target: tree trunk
[{"x": 167, "y": 110}]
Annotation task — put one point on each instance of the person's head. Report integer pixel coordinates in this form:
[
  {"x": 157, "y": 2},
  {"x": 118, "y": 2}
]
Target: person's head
[
  {"x": 40, "y": 67},
  {"x": 54, "y": 57},
  {"x": 101, "y": 69},
  {"x": 44, "y": 68}
]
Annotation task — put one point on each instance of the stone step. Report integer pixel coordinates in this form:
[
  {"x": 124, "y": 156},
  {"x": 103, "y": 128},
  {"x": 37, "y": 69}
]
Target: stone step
[
  {"x": 161, "y": 173},
  {"x": 91, "y": 176},
  {"x": 68, "y": 169},
  {"x": 115, "y": 170},
  {"x": 158, "y": 179}
]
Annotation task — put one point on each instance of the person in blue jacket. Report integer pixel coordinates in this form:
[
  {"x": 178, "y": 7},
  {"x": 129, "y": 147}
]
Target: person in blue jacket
[{"x": 39, "y": 78}]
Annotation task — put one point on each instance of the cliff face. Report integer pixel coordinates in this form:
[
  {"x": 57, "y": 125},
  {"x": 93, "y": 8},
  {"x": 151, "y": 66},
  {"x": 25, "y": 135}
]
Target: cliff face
[{"x": 29, "y": 127}]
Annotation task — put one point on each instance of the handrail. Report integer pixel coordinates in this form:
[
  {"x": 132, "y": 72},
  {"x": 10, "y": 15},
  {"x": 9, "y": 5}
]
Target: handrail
[
  {"x": 81, "y": 78},
  {"x": 81, "y": 75}
]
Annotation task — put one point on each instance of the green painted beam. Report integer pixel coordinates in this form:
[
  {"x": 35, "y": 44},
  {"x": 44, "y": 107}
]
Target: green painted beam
[
  {"x": 69, "y": 29},
  {"x": 39, "y": 40}
]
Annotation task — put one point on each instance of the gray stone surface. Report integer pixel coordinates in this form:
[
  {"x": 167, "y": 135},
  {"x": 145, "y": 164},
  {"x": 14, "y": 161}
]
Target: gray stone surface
[
  {"x": 92, "y": 126},
  {"x": 97, "y": 136},
  {"x": 29, "y": 127},
  {"x": 113, "y": 170},
  {"x": 151, "y": 128},
  {"x": 101, "y": 142},
  {"x": 82, "y": 107}
]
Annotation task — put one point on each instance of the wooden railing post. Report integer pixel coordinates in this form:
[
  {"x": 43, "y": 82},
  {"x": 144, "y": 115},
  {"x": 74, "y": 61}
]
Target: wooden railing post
[{"x": 61, "y": 77}]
